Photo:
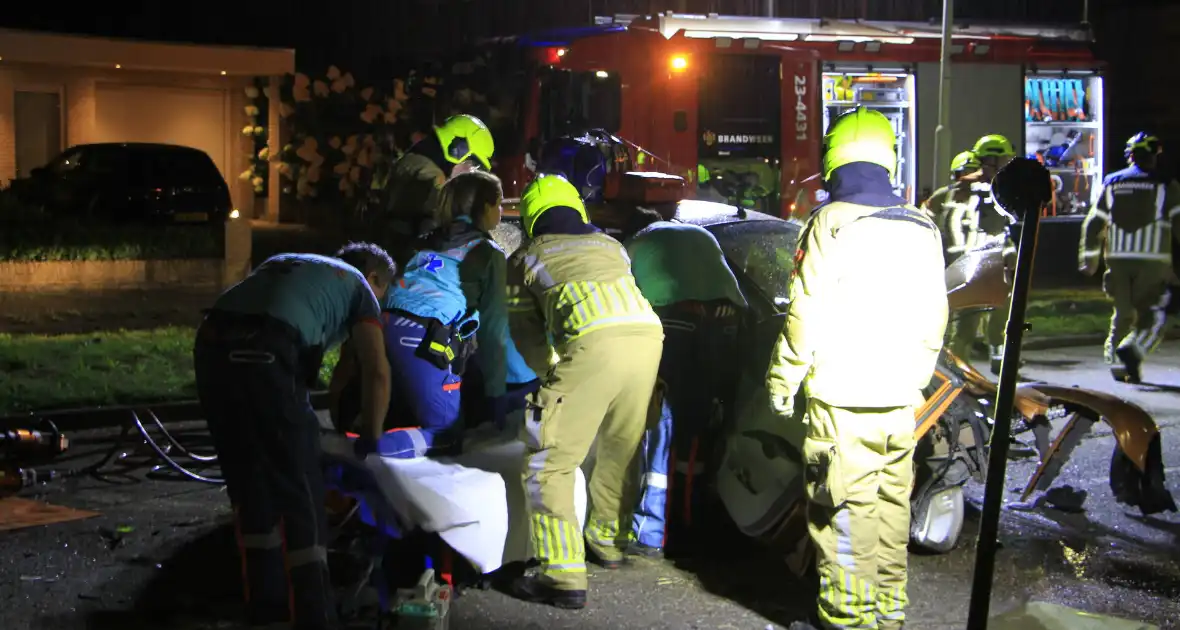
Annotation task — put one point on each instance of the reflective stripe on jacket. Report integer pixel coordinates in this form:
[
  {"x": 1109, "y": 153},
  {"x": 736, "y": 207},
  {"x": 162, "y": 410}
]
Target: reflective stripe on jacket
[
  {"x": 562, "y": 287},
  {"x": 1136, "y": 217}
]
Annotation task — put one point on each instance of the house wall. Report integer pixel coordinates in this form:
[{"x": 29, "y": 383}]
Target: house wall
[{"x": 82, "y": 88}]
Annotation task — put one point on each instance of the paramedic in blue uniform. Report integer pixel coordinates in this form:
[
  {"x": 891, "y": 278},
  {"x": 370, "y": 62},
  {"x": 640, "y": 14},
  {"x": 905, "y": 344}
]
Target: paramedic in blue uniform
[
  {"x": 682, "y": 272},
  {"x": 256, "y": 356},
  {"x": 451, "y": 296}
]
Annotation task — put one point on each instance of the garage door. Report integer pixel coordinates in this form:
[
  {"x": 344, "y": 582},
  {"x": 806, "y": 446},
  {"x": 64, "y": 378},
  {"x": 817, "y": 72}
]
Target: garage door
[{"x": 188, "y": 117}]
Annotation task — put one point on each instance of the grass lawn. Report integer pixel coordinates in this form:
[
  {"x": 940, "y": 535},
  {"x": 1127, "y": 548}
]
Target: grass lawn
[
  {"x": 1055, "y": 313},
  {"x": 123, "y": 367},
  {"x": 107, "y": 368}
]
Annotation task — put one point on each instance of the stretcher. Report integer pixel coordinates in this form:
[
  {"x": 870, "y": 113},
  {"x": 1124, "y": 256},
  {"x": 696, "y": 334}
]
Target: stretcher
[{"x": 474, "y": 502}]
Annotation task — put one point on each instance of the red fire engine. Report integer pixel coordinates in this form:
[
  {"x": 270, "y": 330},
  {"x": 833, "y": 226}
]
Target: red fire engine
[{"x": 746, "y": 99}]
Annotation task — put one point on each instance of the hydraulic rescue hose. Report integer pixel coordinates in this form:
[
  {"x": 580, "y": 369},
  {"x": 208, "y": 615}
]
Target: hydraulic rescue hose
[{"x": 163, "y": 454}]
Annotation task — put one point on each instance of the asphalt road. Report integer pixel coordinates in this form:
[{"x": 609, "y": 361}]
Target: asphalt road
[{"x": 175, "y": 567}]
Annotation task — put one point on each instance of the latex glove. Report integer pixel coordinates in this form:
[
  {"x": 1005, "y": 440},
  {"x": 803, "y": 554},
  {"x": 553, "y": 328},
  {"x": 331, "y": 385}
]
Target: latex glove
[
  {"x": 363, "y": 447},
  {"x": 782, "y": 405}
]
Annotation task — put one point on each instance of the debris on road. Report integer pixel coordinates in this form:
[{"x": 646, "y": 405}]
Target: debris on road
[
  {"x": 115, "y": 538},
  {"x": 1065, "y": 498},
  {"x": 38, "y": 578}
]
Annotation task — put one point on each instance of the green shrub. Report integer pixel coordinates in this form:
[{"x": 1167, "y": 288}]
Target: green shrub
[{"x": 30, "y": 235}]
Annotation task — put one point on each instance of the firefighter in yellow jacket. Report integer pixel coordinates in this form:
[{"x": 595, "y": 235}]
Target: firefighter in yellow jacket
[
  {"x": 411, "y": 194},
  {"x": 571, "y": 291},
  {"x": 865, "y": 324},
  {"x": 970, "y": 219},
  {"x": 949, "y": 202}
]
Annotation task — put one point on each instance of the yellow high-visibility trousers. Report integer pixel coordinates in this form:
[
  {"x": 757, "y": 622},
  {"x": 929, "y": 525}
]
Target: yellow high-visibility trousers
[
  {"x": 601, "y": 388},
  {"x": 859, "y": 470},
  {"x": 1139, "y": 289}
]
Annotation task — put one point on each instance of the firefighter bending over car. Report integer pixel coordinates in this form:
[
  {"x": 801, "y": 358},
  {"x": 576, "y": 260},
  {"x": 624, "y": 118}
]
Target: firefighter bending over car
[
  {"x": 953, "y": 201},
  {"x": 865, "y": 323},
  {"x": 682, "y": 272},
  {"x": 572, "y": 284},
  {"x": 969, "y": 218},
  {"x": 1133, "y": 224},
  {"x": 257, "y": 355},
  {"x": 411, "y": 195}
]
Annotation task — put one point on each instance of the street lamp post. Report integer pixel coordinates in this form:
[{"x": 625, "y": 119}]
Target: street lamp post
[{"x": 942, "y": 133}]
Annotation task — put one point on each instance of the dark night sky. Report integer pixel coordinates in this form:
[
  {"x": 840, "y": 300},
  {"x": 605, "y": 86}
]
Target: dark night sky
[
  {"x": 165, "y": 20},
  {"x": 372, "y": 36},
  {"x": 375, "y": 38},
  {"x": 345, "y": 32}
]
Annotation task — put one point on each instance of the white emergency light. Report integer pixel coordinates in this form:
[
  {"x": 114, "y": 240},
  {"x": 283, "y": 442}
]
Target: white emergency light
[
  {"x": 859, "y": 39},
  {"x": 768, "y": 36}
]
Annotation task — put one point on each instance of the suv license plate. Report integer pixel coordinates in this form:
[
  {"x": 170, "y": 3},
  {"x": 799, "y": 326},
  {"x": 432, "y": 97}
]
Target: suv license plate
[{"x": 190, "y": 217}]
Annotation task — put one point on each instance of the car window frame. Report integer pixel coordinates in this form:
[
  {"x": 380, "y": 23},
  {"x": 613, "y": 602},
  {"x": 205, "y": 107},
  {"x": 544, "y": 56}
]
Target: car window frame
[{"x": 745, "y": 278}]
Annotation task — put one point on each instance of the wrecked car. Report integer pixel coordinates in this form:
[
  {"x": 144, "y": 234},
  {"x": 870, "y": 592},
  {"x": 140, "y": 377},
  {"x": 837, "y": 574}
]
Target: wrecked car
[{"x": 757, "y": 469}]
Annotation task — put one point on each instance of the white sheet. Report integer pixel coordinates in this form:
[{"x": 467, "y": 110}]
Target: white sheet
[{"x": 475, "y": 502}]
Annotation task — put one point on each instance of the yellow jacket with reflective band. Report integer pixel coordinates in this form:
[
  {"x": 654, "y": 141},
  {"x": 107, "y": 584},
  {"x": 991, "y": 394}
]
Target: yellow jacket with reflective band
[
  {"x": 968, "y": 217},
  {"x": 562, "y": 287},
  {"x": 867, "y": 311}
]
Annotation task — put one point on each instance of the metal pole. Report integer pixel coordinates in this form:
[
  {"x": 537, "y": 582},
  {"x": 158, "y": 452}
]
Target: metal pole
[
  {"x": 942, "y": 133},
  {"x": 768, "y": 8},
  {"x": 993, "y": 499}
]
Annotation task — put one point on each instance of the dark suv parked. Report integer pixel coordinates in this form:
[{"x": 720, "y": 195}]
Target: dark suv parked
[{"x": 130, "y": 183}]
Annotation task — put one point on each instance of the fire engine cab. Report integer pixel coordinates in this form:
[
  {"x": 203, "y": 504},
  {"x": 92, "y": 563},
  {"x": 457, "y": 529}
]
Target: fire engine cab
[{"x": 739, "y": 105}]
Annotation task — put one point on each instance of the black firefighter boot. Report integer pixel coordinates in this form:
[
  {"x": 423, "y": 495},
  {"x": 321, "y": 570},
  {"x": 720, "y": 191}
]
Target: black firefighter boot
[
  {"x": 1129, "y": 371},
  {"x": 533, "y": 588}
]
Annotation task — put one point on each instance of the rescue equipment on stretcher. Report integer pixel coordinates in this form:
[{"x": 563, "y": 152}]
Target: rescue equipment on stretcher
[
  {"x": 1055, "y": 100},
  {"x": 427, "y": 606}
]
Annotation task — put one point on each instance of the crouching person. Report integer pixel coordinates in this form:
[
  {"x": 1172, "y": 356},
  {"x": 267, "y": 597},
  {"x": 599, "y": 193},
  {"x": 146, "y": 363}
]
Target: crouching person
[
  {"x": 682, "y": 272},
  {"x": 256, "y": 355},
  {"x": 452, "y": 287}
]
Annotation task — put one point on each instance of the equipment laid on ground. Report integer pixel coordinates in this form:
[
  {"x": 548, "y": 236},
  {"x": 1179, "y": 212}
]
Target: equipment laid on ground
[
  {"x": 427, "y": 606},
  {"x": 46, "y": 440},
  {"x": 22, "y": 446},
  {"x": 13, "y": 479}
]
